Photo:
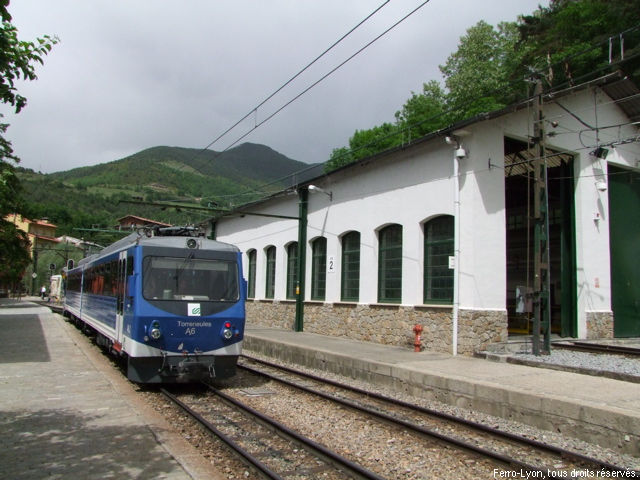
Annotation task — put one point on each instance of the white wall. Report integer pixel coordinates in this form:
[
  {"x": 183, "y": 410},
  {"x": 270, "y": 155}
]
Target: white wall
[
  {"x": 411, "y": 186},
  {"x": 407, "y": 189}
]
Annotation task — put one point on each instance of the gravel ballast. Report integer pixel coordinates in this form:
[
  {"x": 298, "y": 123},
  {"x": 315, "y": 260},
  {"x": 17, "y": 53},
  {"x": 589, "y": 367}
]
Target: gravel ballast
[{"x": 362, "y": 438}]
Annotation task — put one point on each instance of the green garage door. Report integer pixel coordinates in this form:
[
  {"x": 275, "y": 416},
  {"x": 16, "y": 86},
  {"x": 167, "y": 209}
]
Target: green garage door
[{"x": 624, "y": 231}]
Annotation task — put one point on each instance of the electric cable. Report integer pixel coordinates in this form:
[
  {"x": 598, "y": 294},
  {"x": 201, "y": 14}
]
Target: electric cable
[
  {"x": 329, "y": 73},
  {"x": 468, "y": 102},
  {"x": 254, "y": 109},
  {"x": 275, "y": 92},
  {"x": 435, "y": 117}
]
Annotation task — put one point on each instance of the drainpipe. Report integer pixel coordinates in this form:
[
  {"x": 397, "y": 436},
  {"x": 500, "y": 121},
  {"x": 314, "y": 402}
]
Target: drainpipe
[
  {"x": 458, "y": 154},
  {"x": 456, "y": 252},
  {"x": 303, "y": 204}
]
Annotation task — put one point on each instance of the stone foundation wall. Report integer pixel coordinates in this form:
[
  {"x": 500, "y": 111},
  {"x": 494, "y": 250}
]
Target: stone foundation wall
[
  {"x": 479, "y": 328},
  {"x": 599, "y": 325},
  {"x": 386, "y": 324},
  {"x": 273, "y": 314}
]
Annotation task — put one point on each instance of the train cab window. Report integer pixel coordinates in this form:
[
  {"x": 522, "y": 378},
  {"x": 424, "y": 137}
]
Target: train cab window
[{"x": 166, "y": 278}]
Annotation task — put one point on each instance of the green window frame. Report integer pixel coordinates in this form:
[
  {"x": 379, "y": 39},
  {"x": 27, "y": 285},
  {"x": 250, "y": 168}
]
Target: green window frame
[
  {"x": 319, "y": 268},
  {"x": 292, "y": 270},
  {"x": 438, "y": 247},
  {"x": 251, "y": 274},
  {"x": 270, "y": 282},
  {"x": 350, "y": 281},
  {"x": 390, "y": 264}
]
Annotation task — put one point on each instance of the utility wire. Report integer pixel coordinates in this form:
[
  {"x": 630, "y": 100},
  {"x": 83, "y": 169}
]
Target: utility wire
[
  {"x": 313, "y": 84},
  {"x": 440, "y": 114},
  {"x": 329, "y": 73},
  {"x": 254, "y": 109},
  {"x": 468, "y": 102}
]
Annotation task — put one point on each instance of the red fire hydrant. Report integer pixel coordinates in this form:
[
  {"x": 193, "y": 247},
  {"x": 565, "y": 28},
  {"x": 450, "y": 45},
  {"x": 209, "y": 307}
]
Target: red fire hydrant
[{"x": 417, "y": 344}]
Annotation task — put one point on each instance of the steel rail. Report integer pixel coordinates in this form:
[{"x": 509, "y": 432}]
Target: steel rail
[
  {"x": 561, "y": 452},
  {"x": 332, "y": 456},
  {"x": 410, "y": 426},
  {"x": 250, "y": 459},
  {"x": 598, "y": 348}
]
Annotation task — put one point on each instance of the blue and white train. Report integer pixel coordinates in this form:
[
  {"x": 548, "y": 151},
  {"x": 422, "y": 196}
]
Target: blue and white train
[{"x": 171, "y": 302}]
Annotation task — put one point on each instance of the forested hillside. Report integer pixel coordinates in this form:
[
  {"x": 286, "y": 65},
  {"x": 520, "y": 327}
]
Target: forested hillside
[{"x": 98, "y": 195}]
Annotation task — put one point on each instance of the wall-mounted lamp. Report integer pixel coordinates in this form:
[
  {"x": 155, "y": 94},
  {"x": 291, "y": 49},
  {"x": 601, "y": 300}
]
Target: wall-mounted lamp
[
  {"x": 314, "y": 188},
  {"x": 600, "y": 153},
  {"x": 601, "y": 185},
  {"x": 460, "y": 152}
]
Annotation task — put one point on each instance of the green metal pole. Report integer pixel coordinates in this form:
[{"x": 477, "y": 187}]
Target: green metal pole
[
  {"x": 542, "y": 314},
  {"x": 303, "y": 207},
  {"x": 213, "y": 234}
]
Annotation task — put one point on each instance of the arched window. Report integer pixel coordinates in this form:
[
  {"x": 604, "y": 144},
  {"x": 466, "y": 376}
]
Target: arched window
[
  {"x": 292, "y": 270},
  {"x": 271, "y": 272},
  {"x": 350, "y": 287},
  {"x": 319, "y": 268},
  {"x": 251, "y": 274},
  {"x": 390, "y": 264},
  {"x": 438, "y": 247}
]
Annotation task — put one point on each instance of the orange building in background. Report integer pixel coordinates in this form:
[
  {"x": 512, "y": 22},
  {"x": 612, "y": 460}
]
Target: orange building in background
[{"x": 40, "y": 232}]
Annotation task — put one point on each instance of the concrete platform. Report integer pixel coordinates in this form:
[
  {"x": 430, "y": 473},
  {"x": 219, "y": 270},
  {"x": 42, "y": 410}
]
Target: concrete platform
[
  {"x": 598, "y": 410},
  {"x": 65, "y": 412}
]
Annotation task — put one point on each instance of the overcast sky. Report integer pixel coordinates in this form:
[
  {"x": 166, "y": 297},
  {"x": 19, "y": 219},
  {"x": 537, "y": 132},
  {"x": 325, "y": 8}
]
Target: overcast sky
[{"x": 133, "y": 74}]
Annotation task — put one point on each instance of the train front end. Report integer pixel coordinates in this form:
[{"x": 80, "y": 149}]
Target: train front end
[{"x": 184, "y": 311}]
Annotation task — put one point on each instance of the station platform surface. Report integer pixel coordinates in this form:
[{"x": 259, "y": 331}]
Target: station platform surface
[
  {"x": 65, "y": 412},
  {"x": 598, "y": 410}
]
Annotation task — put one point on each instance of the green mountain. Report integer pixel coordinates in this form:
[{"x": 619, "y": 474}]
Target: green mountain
[
  {"x": 98, "y": 195},
  {"x": 186, "y": 172}
]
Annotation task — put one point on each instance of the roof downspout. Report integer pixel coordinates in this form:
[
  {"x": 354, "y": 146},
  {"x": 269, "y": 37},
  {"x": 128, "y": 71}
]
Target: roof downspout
[
  {"x": 458, "y": 154},
  {"x": 456, "y": 252}
]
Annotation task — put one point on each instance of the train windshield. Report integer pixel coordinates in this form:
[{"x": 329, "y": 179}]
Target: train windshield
[{"x": 166, "y": 278}]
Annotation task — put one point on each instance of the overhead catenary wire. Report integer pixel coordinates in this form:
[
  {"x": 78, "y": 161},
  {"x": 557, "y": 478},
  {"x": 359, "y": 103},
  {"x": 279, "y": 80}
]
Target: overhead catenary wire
[
  {"x": 300, "y": 72},
  {"x": 254, "y": 110},
  {"x": 570, "y": 84},
  {"x": 453, "y": 108},
  {"x": 331, "y": 72},
  {"x": 458, "y": 106},
  {"x": 314, "y": 84}
]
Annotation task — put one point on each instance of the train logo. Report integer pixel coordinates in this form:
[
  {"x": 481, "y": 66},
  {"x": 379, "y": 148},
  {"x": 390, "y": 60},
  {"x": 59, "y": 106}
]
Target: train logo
[{"x": 193, "y": 309}]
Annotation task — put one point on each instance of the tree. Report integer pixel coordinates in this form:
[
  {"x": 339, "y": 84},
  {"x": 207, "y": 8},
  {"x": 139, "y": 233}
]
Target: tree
[
  {"x": 491, "y": 68},
  {"x": 365, "y": 143},
  {"x": 423, "y": 113},
  {"x": 17, "y": 59},
  {"x": 570, "y": 38},
  {"x": 477, "y": 75}
]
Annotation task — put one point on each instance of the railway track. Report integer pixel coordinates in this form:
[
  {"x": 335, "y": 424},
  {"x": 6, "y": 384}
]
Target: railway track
[
  {"x": 270, "y": 448},
  {"x": 598, "y": 348},
  {"x": 511, "y": 452}
]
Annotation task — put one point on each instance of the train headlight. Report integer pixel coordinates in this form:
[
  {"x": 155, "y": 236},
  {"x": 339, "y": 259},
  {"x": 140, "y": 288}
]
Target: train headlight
[
  {"x": 155, "y": 333},
  {"x": 227, "y": 333}
]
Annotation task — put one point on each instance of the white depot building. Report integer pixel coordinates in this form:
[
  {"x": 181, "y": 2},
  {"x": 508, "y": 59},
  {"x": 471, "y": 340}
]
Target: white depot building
[{"x": 441, "y": 232}]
